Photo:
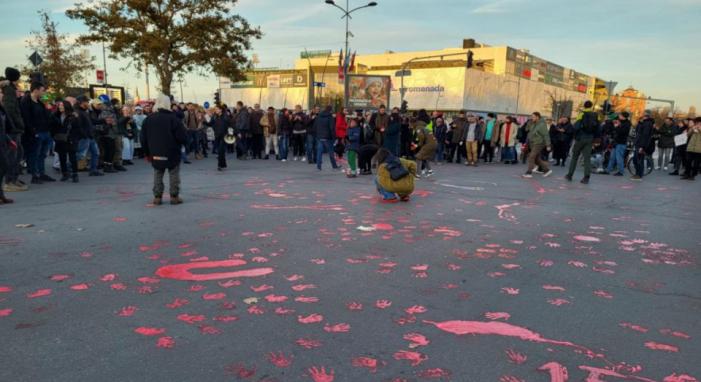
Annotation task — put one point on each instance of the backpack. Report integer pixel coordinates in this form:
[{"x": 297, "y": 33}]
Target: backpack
[
  {"x": 588, "y": 123},
  {"x": 395, "y": 168}
]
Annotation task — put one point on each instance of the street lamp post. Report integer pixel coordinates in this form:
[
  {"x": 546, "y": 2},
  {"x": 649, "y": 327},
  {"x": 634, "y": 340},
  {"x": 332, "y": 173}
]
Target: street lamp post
[{"x": 347, "y": 15}]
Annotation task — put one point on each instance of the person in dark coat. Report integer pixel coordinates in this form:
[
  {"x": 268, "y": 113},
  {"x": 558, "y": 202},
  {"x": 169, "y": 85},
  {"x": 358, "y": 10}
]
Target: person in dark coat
[
  {"x": 242, "y": 122},
  {"x": 5, "y": 151},
  {"x": 365, "y": 157},
  {"x": 561, "y": 137},
  {"x": 392, "y": 133},
  {"x": 643, "y": 140},
  {"x": 221, "y": 124},
  {"x": 162, "y": 136},
  {"x": 257, "y": 137},
  {"x": 67, "y": 133},
  {"x": 325, "y": 128},
  {"x": 619, "y": 136}
]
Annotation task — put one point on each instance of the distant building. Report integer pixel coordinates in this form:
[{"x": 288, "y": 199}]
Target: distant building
[
  {"x": 630, "y": 100},
  {"x": 503, "y": 80}
]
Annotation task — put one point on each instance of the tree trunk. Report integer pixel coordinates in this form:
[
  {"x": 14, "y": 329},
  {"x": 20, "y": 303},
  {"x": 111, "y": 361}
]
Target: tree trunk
[{"x": 166, "y": 79}]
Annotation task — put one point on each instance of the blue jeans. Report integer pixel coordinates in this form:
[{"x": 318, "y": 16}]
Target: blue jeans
[
  {"x": 40, "y": 151},
  {"x": 439, "y": 151},
  {"x": 639, "y": 163},
  {"x": 325, "y": 145},
  {"x": 310, "y": 148},
  {"x": 283, "y": 142},
  {"x": 386, "y": 195},
  {"x": 616, "y": 159},
  {"x": 90, "y": 145},
  {"x": 508, "y": 153}
]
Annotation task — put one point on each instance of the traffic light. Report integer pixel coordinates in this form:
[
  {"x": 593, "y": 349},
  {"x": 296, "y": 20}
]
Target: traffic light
[
  {"x": 470, "y": 61},
  {"x": 217, "y": 99}
]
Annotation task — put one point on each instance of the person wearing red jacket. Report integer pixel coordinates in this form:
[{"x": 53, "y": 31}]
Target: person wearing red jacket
[{"x": 341, "y": 132}]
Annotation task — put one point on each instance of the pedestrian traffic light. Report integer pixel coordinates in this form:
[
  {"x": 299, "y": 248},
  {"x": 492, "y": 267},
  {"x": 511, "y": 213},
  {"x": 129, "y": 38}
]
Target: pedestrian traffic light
[
  {"x": 470, "y": 61},
  {"x": 217, "y": 99}
]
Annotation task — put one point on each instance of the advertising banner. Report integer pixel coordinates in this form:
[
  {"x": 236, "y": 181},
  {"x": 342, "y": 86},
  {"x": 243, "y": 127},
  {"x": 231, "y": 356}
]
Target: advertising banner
[{"x": 368, "y": 92}]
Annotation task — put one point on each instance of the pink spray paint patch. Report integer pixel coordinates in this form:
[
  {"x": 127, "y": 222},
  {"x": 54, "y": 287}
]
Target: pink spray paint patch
[
  {"x": 414, "y": 358},
  {"x": 183, "y": 271},
  {"x": 190, "y": 318},
  {"x": 588, "y": 239},
  {"x": 497, "y": 316},
  {"x": 366, "y": 362},
  {"x": 416, "y": 340},
  {"x": 127, "y": 311},
  {"x": 501, "y": 329},
  {"x": 59, "y": 278},
  {"x": 279, "y": 359},
  {"x": 165, "y": 342},
  {"x": 383, "y": 227},
  {"x": 553, "y": 288},
  {"x": 434, "y": 373},
  {"x": 214, "y": 296},
  {"x": 674, "y": 333},
  {"x": 82, "y": 286},
  {"x": 630, "y": 326},
  {"x": 5, "y": 289},
  {"x": 5, "y": 312},
  {"x": 558, "y": 372},
  {"x": 319, "y": 374},
  {"x": 39, "y": 293},
  {"x": 338, "y": 328},
  {"x": 308, "y": 343},
  {"x": 119, "y": 219},
  {"x": 679, "y": 378},
  {"x": 310, "y": 319},
  {"x": 515, "y": 357},
  {"x": 146, "y": 331},
  {"x": 662, "y": 347}
]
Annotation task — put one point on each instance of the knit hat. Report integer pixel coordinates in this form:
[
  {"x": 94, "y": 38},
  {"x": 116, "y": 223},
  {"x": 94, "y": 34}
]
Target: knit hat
[
  {"x": 82, "y": 98},
  {"x": 12, "y": 74}
]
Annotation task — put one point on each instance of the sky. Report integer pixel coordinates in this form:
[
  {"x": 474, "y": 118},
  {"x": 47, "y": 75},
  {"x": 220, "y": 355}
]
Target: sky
[{"x": 652, "y": 45}]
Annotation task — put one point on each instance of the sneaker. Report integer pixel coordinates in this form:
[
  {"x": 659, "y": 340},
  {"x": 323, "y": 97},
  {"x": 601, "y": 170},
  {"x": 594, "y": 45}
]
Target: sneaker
[
  {"x": 4, "y": 200},
  {"x": 605, "y": 172},
  {"x": 527, "y": 175},
  {"x": 657, "y": 168},
  {"x": 64, "y": 178},
  {"x": 665, "y": 168},
  {"x": 675, "y": 173},
  {"x": 547, "y": 174},
  {"x": 157, "y": 201},
  {"x": 405, "y": 198},
  {"x": 417, "y": 176},
  {"x": 636, "y": 178},
  {"x": 175, "y": 200},
  {"x": 390, "y": 200},
  {"x": 46, "y": 178},
  {"x": 109, "y": 170},
  {"x": 96, "y": 173},
  {"x": 284, "y": 160},
  {"x": 537, "y": 171},
  {"x": 618, "y": 174},
  {"x": 14, "y": 187},
  {"x": 568, "y": 178},
  {"x": 123, "y": 169},
  {"x": 584, "y": 180},
  {"x": 430, "y": 172}
]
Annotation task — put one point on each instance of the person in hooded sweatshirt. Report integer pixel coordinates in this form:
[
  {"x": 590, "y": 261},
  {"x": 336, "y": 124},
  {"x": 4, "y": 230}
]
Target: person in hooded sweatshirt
[
  {"x": 162, "y": 136},
  {"x": 621, "y": 130},
  {"x": 325, "y": 128}
]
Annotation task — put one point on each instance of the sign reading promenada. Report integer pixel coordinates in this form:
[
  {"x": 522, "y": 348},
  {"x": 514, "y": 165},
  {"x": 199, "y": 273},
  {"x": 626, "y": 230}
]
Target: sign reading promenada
[{"x": 504, "y": 80}]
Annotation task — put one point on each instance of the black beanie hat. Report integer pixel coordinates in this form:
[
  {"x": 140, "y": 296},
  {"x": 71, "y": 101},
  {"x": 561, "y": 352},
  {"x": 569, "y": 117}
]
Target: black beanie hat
[{"x": 12, "y": 74}]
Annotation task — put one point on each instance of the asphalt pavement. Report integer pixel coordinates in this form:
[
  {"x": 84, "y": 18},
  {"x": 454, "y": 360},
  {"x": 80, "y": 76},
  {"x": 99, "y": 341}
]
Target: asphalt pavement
[{"x": 275, "y": 271}]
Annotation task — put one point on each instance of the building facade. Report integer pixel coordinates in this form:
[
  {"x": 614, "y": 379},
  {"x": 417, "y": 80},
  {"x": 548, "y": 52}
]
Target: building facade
[{"x": 502, "y": 79}]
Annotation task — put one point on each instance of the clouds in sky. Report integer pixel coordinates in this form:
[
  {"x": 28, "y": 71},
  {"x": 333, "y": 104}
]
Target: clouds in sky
[{"x": 650, "y": 44}]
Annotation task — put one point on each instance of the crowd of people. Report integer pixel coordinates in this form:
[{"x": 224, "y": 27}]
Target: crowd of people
[{"x": 103, "y": 136}]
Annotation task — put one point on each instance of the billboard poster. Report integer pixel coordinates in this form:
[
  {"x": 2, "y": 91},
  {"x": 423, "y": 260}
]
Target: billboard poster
[{"x": 368, "y": 92}]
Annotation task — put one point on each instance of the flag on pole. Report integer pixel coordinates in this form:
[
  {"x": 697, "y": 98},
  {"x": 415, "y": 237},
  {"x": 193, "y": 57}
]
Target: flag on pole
[
  {"x": 352, "y": 64},
  {"x": 346, "y": 61},
  {"x": 340, "y": 65}
]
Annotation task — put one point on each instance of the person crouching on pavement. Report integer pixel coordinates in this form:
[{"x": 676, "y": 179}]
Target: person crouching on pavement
[
  {"x": 395, "y": 176},
  {"x": 161, "y": 137}
]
